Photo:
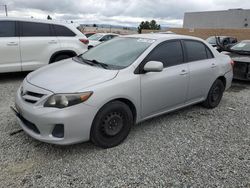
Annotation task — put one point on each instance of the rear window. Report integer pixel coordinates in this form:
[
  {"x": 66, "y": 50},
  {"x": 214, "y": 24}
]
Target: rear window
[
  {"x": 7, "y": 29},
  {"x": 63, "y": 31},
  {"x": 32, "y": 29}
]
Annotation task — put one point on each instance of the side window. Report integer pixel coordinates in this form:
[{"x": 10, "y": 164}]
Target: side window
[
  {"x": 32, "y": 29},
  {"x": 62, "y": 31},
  {"x": 169, "y": 53},
  {"x": 209, "y": 53},
  {"x": 105, "y": 38},
  {"x": 196, "y": 51},
  {"x": 7, "y": 29}
]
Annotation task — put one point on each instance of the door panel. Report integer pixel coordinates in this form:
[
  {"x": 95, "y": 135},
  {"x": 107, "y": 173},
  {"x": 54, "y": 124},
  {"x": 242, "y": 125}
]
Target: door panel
[
  {"x": 10, "y": 60},
  {"x": 202, "y": 76},
  {"x": 164, "y": 90},
  {"x": 37, "y": 44},
  {"x": 202, "y": 68}
]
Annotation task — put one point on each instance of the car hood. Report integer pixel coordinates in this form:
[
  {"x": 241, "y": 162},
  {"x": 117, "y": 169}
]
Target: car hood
[
  {"x": 69, "y": 76},
  {"x": 94, "y": 42},
  {"x": 238, "y": 57}
]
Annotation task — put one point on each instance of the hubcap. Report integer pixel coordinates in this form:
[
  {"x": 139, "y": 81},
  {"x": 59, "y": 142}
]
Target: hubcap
[
  {"x": 112, "y": 124},
  {"x": 216, "y": 94}
]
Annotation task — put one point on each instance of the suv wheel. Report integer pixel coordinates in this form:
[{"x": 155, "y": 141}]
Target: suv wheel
[
  {"x": 215, "y": 94},
  {"x": 111, "y": 125}
]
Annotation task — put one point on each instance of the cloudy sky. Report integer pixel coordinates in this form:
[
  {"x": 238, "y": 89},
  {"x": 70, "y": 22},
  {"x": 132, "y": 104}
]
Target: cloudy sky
[{"x": 117, "y": 12}]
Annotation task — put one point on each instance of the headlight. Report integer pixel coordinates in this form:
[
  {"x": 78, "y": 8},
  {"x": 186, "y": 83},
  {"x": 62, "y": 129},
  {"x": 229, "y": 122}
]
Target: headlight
[{"x": 66, "y": 100}]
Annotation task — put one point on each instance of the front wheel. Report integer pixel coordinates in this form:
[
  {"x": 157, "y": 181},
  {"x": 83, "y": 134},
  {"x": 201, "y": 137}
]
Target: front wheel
[
  {"x": 111, "y": 125},
  {"x": 215, "y": 95}
]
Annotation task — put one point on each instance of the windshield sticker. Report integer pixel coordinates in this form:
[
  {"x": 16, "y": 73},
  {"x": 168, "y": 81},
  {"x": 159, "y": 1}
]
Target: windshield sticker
[
  {"x": 241, "y": 45},
  {"x": 146, "y": 40}
]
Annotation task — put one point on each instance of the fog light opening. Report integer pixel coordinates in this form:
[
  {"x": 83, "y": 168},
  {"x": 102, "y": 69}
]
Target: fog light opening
[{"x": 58, "y": 131}]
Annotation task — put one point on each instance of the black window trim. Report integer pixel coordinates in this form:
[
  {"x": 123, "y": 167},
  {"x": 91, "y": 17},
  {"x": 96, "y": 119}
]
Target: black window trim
[
  {"x": 139, "y": 69},
  {"x": 193, "y": 40}
]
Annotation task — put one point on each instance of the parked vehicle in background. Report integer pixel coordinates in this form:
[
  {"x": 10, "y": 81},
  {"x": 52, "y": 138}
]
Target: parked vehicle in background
[
  {"x": 98, "y": 38},
  {"x": 89, "y": 34},
  {"x": 240, "y": 54},
  {"x": 227, "y": 41},
  {"x": 100, "y": 94},
  {"x": 27, "y": 44}
]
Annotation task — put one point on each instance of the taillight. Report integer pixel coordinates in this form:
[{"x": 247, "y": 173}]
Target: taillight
[
  {"x": 84, "y": 41},
  {"x": 232, "y": 63}
]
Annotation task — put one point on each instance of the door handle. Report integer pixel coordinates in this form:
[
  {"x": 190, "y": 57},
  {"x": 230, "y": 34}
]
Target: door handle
[
  {"x": 52, "y": 42},
  {"x": 183, "y": 72},
  {"x": 12, "y": 44},
  {"x": 213, "y": 65}
]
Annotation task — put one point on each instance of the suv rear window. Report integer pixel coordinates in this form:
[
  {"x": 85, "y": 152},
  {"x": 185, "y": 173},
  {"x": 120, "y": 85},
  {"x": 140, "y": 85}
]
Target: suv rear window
[
  {"x": 7, "y": 29},
  {"x": 32, "y": 29},
  {"x": 63, "y": 31}
]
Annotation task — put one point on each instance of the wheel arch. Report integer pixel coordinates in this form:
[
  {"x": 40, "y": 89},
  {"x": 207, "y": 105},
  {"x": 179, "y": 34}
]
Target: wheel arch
[{"x": 62, "y": 52}]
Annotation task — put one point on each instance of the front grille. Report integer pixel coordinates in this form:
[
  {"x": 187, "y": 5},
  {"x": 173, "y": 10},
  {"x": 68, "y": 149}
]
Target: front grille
[
  {"x": 241, "y": 70},
  {"x": 31, "y": 97},
  {"x": 29, "y": 125}
]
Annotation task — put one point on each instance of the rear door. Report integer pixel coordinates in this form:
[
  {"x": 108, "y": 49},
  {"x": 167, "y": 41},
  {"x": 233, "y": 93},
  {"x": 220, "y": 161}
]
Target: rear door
[
  {"x": 166, "y": 90},
  {"x": 10, "y": 60},
  {"x": 202, "y": 68},
  {"x": 38, "y": 43}
]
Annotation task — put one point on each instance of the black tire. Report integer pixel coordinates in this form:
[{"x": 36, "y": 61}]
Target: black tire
[
  {"x": 215, "y": 94},
  {"x": 89, "y": 47},
  {"x": 60, "y": 57},
  {"x": 111, "y": 125}
]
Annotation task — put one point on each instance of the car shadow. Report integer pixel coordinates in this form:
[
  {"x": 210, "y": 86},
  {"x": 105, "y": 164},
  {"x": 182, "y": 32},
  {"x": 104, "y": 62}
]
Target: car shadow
[{"x": 14, "y": 76}]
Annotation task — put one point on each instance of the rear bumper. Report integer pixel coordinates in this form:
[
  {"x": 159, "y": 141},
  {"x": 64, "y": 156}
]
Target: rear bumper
[{"x": 229, "y": 78}]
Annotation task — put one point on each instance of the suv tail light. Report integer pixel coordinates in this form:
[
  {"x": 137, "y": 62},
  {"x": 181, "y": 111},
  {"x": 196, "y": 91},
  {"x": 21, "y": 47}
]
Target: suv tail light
[{"x": 84, "y": 41}]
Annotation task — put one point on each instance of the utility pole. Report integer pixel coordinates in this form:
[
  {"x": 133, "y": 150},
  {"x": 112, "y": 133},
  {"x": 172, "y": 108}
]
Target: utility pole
[{"x": 6, "y": 9}]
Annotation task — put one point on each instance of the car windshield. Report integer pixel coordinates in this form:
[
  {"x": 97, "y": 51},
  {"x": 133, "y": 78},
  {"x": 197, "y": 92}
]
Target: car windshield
[
  {"x": 95, "y": 37},
  {"x": 242, "y": 46},
  {"x": 119, "y": 52}
]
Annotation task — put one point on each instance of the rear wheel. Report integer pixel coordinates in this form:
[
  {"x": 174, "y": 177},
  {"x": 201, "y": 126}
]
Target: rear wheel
[
  {"x": 111, "y": 125},
  {"x": 215, "y": 94}
]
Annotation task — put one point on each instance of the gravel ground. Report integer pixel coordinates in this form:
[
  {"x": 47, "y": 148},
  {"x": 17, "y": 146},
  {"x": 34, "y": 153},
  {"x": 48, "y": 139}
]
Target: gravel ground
[{"x": 193, "y": 147}]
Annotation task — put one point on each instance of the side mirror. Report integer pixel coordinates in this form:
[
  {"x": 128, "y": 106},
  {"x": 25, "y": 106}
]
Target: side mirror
[{"x": 153, "y": 66}]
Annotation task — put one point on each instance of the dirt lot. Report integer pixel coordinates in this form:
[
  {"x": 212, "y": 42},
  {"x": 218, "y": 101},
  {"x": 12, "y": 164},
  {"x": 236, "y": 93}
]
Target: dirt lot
[{"x": 193, "y": 147}]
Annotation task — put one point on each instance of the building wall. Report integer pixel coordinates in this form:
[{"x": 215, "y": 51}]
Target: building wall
[
  {"x": 240, "y": 34},
  {"x": 232, "y": 18}
]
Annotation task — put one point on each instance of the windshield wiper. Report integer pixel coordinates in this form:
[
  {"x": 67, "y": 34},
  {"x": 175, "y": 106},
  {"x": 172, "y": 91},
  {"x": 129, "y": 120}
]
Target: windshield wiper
[
  {"x": 80, "y": 59},
  {"x": 243, "y": 52},
  {"x": 103, "y": 65}
]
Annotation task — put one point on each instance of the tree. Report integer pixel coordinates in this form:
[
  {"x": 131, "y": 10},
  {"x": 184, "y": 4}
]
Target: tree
[
  {"x": 94, "y": 25},
  {"x": 49, "y": 18},
  {"x": 152, "y": 25}
]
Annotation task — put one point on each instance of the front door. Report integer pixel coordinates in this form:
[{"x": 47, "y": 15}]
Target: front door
[{"x": 166, "y": 90}]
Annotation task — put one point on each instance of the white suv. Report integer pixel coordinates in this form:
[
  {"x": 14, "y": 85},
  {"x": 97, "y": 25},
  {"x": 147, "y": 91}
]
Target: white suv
[{"x": 27, "y": 44}]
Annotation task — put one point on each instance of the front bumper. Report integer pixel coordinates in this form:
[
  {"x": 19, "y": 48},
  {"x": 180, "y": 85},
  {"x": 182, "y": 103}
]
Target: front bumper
[
  {"x": 76, "y": 121},
  {"x": 242, "y": 71}
]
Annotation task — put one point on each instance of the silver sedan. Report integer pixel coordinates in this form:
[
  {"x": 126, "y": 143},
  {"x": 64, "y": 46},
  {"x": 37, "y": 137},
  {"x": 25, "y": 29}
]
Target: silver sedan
[{"x": 100, "y": 94}]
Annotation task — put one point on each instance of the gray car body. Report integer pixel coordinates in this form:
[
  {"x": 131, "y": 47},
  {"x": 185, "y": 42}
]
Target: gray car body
[{"x": 148, "y": 95}]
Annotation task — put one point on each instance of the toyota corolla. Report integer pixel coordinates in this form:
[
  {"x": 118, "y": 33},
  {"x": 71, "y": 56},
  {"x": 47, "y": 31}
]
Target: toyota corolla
[{"x": 100, "y": 94}]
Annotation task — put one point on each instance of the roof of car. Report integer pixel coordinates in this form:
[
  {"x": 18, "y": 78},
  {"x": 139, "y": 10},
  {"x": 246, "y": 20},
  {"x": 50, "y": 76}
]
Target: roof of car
[
  {"x": 34, "y": 20},
  {"x": 156, "y": 36}
]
